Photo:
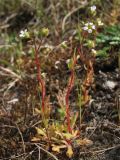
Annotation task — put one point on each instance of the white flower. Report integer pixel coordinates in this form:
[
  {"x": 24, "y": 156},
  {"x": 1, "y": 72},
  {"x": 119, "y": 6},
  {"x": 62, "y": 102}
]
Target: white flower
[
  {"x": 89, "y": 27},
  {"x": 24, "y": 34},
  {"x": 93, "y": 8}
]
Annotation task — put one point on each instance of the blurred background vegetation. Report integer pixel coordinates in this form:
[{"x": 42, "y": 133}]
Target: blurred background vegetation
[
  {"x": 60, "y": 16},
  {"x": 17, "y": 14}
]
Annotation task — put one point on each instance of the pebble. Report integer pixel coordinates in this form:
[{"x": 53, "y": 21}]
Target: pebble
[{"x": 110, "y": 84}]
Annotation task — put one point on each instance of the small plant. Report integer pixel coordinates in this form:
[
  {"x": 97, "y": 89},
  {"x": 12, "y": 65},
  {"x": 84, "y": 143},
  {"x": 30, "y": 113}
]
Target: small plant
[
  {"x": 64, "y": 132},
  {"x": 61, "y": 133}
]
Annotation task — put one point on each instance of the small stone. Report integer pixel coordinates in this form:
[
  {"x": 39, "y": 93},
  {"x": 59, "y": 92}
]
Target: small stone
[{"x": 110, "y": 84}]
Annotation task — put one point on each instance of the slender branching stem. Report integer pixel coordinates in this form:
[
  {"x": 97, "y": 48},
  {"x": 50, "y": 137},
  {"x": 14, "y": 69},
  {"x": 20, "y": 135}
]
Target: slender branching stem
[
  {"x": 39, "y": 78},
  {"x": 69, "y": 88}
]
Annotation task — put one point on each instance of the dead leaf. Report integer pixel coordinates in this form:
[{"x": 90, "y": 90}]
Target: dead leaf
[
  {"x": 35, "y": 139},
  {"x": 75, "y": 133},
  {"x": 57, "y": 148},
  {"x": 84, "y": 142},
  {"x": 37, "y": 111},
  {"x": 69, "y": 152},
  {"x": 40, "y": 131}
]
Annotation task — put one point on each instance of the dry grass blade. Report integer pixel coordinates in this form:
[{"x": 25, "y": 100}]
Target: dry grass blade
[
  {"x": 10, "y": 72},
  {"x": 23, "y": 143},
  {"x": 70, "y": 13},
  {"x": 50, "y": 154}
]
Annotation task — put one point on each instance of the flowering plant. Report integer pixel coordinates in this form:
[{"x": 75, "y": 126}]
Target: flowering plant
[{"x": 54, "y": 133}]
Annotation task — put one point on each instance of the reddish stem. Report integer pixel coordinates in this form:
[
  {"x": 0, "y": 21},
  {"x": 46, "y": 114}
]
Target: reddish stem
[
  {"x": 39, "y": 78},
  {"x": 69, "y": 88}
]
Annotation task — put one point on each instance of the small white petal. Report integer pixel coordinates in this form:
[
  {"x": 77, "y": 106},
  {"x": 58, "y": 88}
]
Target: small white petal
[
  {"x": 90, "y": 23},
  {"x": 21, "y": 32},
  {"x": 21, "y": 35},
  {"x": 86, "y": 24},
  {"x": 93, "y": 27},
  {"x": 85, "y": 28},
  {"x": 89, "y": 30},
  {"x": 93, "y": 8}
]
